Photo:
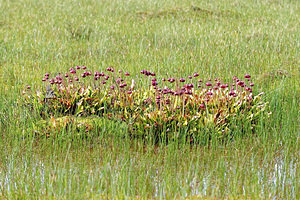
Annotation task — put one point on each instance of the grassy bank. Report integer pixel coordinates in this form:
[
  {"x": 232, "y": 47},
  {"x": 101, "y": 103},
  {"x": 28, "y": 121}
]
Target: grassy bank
[{"x": 172, "y": 38}]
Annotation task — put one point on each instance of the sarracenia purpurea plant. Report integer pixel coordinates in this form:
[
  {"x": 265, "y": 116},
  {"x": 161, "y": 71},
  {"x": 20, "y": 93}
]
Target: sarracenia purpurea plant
[{"x": 165, "y": 107}]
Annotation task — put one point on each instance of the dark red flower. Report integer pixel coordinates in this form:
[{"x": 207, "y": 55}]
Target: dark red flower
[
  {"x": 72, "y": 71},
  {"x": 51, "y": 81},
  {"x": 154, "y": 83},
  {"x": 202, "y": 106}
]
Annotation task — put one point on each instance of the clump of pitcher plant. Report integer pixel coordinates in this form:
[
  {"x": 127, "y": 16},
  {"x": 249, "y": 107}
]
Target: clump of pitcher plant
[{"x": 165, "y": 107}]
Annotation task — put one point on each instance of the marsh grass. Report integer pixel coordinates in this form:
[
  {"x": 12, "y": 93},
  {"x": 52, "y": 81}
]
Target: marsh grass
[{"x": 231, "y": 38}]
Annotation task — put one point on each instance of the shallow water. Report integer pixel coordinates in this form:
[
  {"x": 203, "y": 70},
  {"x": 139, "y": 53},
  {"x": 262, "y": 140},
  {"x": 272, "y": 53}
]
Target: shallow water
[{"x": 158, "y": 173}]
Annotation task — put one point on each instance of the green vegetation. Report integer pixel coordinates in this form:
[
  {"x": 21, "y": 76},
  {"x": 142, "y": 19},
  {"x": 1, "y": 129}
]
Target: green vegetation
[{"x": 218, "y": 39}]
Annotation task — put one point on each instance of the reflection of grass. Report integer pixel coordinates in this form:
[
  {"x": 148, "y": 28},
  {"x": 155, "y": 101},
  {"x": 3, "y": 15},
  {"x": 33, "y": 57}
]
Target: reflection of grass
[{"x": 221, "y": 39}]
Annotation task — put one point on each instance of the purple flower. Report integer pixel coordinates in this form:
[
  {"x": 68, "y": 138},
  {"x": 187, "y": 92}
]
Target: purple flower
[
  {"x": 191, "y": 85},
  {"x": 51, "y": 81},
  {"x": 171, "y": 80},
  {"x": 208, "y": 84},
  {"x": 127, "y": 74},
  {"x": 123, "y": 85},
  {"x": 182, "y": 80},
  {"x": 147, "y": 73},
  {"x": 154, "y": 83},
  {"x": 72, "y": 71},
  {"x": 240, "y": 83},
  {"x": 168, "y": 101},
  {"x": 196, "y": 74},
  {"x": 231, "y": 93}
]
